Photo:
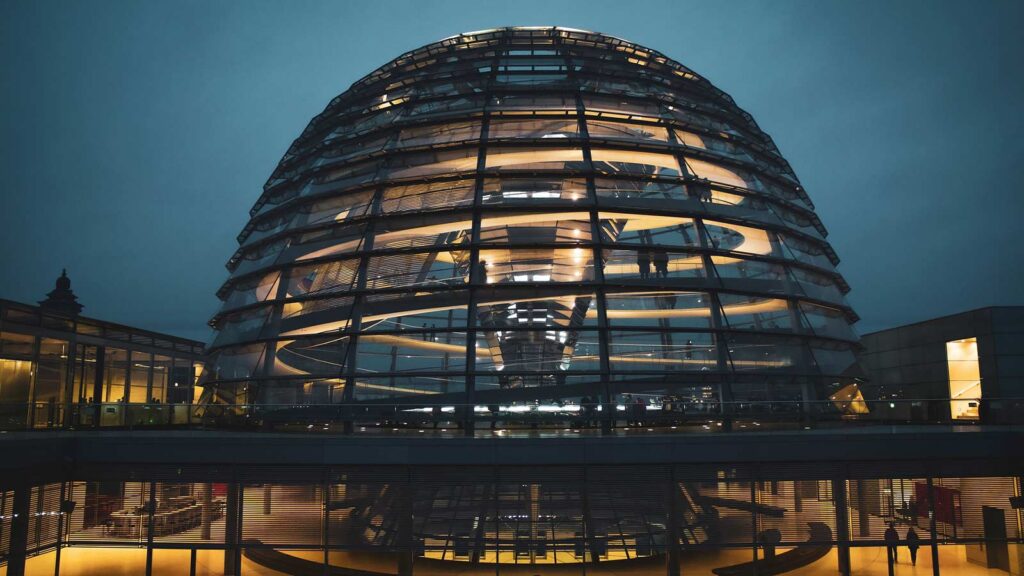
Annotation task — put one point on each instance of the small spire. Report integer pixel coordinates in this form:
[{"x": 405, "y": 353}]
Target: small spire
[{"x": 61, "y": 298}]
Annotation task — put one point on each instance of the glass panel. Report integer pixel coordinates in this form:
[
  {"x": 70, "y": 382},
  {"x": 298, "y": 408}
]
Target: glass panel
[
  {"x": 348, "y": 176},
  {"x": 336, "y": 209},
  {"x": 561, "y": 127},
  {"x": 755, "y": 313},
  {"x": 835, "y": 358},
  {"x": 817, "y": 286},
  {"x": 347, "y": 147},
  {"x": 626, "y": 131},
  {"x": 329, "y": 242},
  {"x": 340, "y": 305},
  {"x": 440, "y": 230},
  {"x": 609, "y": 161},
  {"x": 322, "y": 355},
  {"x": 691, "y": 139},
  {"x": 187, "y": 512},
  {"x": 115, "y": 373},
  {"x": 14, "y": 345},
  {"x": 427, "y": 270},
  {"x": 50, "y": 381},
  {"x": 874, "y": 503},
  {"x": 237, "y": 326},
  {"x": 179, "y": 389},
  {"x": 762, "y": 353},
  {"x": 161, "y": 372},
  {"x": 430, "y": 163},
  {"x": 610, "y": 106},
  {"x": 537, "y": 265},
  {"x": 319, "y": 279},
  {"x": 535, "y": 228},
  {"x": 252, "y": 290},
  {"x": 532, "y": 191},
  {"x": 411, "y": 318},
  {"x": 649, "y": 230},
  {"x": 636, "y": 265},
  {"x": 438, "y": 134},
  {"x": 827, "y": 321},
  {"x": 139, "y": 375},
  {"x": 547, "y": 352},
  {"x": 15, "y": 382},
  {"x": 805, "y": 251},
  {"x": 237, "y": 362},
  {"x": 411, "y": 352},
  {"x": 424, "y": 388},
  {"x": 535, "y": 159},
  {"x": 723, "y": 174},
  {"x": 733, "y": 503},
  {"x": 976, "y": 508},
  {"x": 112, "y": 512},
  {"x": 449, "y": 106},
  {"x": 424, "y": 310},
  {"x": 531, "y": 102},
  {"x": 633, "y": 189},
  {"x": 729, "y": 267},
  {"x": 268, "y": 507},
  {"x": 428, "y": 196},
  {"x": 661, "y": 309},
  {"x": 737, "y": 238},
  {"x": 568, "y": 312},
  {"x": 84, "y": 374},
  {"x": 662, "y": 351}
]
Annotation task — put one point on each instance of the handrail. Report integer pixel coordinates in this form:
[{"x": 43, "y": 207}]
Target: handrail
[{"x": 418, "y": 415}]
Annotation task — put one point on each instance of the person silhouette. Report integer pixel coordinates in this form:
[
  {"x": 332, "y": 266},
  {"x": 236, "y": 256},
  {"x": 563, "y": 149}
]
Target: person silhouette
[
  {"x": 913, "y": 543},
  {"x": 643, "y": 262},
  {"x": 660, "y": 259},
  {"x": 892, "y": 541}
]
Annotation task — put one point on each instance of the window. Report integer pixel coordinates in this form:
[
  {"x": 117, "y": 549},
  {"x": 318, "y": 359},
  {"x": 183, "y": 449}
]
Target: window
[
  {"x": 964, "y": 378},
  {"x": 604, "y": 129},
  {"x": 608, "y": 161}
]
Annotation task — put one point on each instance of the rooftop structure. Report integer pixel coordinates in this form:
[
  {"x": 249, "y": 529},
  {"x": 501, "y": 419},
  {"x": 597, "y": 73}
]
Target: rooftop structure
[{"x": 532, "y": 217}]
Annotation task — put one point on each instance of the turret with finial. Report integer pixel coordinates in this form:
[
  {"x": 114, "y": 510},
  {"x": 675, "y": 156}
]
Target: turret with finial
[{"x": 62, "y": 299}]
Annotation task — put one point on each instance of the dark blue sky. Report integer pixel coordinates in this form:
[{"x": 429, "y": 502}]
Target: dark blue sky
[{"x": 135, "y": 136}]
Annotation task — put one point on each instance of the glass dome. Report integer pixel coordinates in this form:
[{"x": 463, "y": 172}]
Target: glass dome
[{"x": 539, "y": 226}]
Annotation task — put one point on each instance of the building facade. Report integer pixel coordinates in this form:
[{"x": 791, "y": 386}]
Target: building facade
[
  {"x": 62, "y": 370},
  {"x": 964, "y": 367},
  {"x": 523, "y": 301}
]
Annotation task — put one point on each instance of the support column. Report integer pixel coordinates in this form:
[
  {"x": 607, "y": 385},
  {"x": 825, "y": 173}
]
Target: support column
[
  {"x": 863, "y": 518},
  {"x": 206, "y": 514},
  {"x": 97, "y": 388},
  {"x": 406, "y": 548},
  {"x": 232, "y": 530},
  {"x": 932, "y": 531},
  {"x": 839, "y": 498},
  {"x": 150, "y": 512},
  {"x": 65, "y": 509},
  {"x": 672, "y": 527},
  {"x": 19, "y": 531}
]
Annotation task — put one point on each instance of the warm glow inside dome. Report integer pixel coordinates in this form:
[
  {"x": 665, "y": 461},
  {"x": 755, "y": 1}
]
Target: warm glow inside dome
[{"x": 531, "y": 219}]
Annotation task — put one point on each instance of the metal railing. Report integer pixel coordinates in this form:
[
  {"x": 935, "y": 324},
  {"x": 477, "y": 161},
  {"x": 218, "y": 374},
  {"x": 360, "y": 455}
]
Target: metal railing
[{"x": 388, "y": 417}]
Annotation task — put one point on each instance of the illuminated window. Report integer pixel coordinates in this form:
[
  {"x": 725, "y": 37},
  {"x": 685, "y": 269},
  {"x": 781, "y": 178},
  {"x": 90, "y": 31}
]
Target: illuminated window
[{"x": 964, "y": 378}]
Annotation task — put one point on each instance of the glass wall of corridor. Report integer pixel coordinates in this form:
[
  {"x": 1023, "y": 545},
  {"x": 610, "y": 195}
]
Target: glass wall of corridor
[
  {"x": 64, "y": 371},
  {"x": 713, "y": 521}
]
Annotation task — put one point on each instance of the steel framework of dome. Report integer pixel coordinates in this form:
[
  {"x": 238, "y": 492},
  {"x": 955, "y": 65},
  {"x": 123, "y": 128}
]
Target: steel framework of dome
[{"x": 532, "y": 219}]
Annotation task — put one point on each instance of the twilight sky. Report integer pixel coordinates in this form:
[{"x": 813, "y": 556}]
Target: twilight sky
[{"x": 135, "y": 136}]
